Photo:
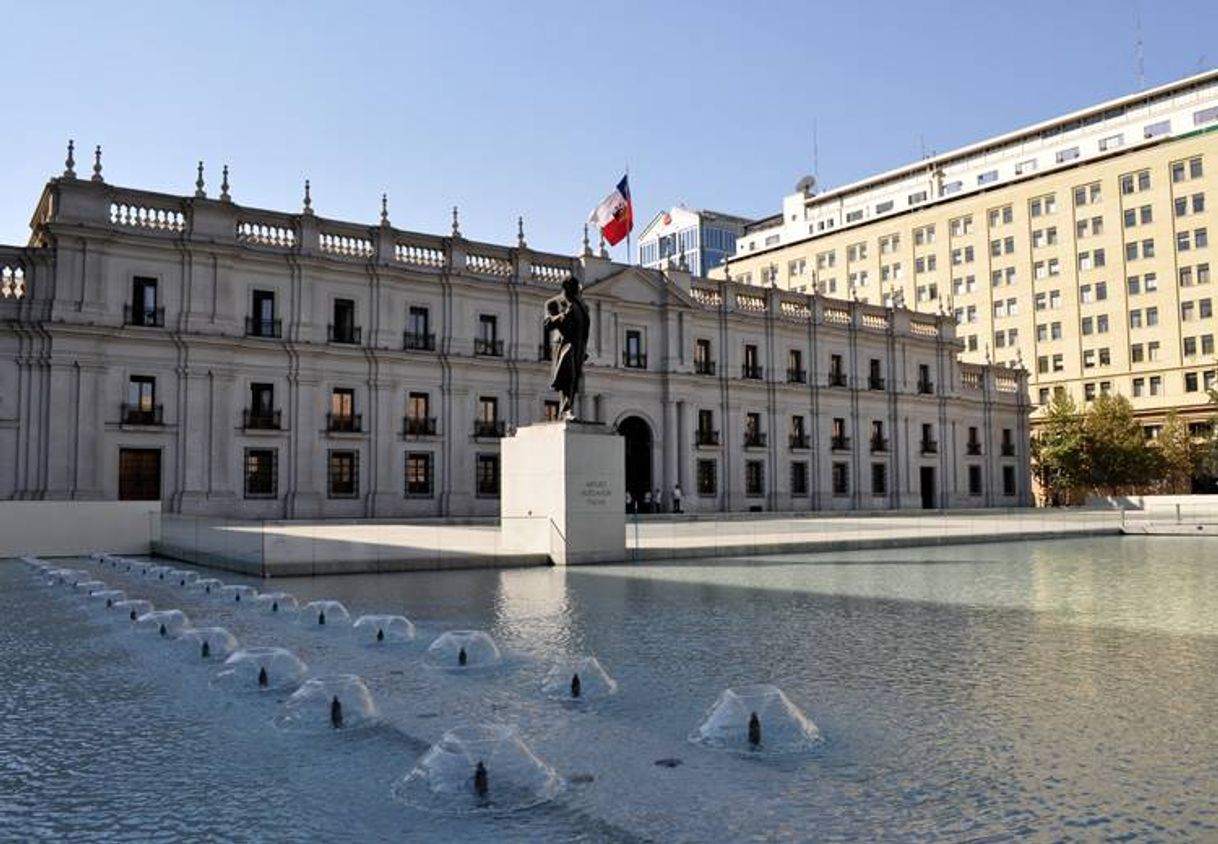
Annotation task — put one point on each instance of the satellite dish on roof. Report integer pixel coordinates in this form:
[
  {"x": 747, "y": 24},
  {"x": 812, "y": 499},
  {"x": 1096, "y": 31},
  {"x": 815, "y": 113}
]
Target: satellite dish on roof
[{"x": 806, "y": 185}]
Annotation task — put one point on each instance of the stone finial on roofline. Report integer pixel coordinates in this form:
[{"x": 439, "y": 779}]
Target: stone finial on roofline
[
  {"x": 69, "y": 171},
  {"x": 97, "y": 167}
]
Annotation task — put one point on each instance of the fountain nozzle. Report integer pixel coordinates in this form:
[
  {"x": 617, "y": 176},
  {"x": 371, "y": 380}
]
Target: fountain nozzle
[
  {"x": 336, "y": 713},
  {"x": 380, "y": 635},
  {"x": 754, "y": 730},
  {"x": 133, "y": 615},
  {"x": 263, "y": 680},
  {"x": 462, "y": 659},
  {"x": 205, "y": 650},
  {"x": 164, "y": 632},
  {"x": 321, "y": 618},
  {"x": 576, "y": 685},
  {"x": 481, "y": 785},
  {"x": 275, "y": 606}
]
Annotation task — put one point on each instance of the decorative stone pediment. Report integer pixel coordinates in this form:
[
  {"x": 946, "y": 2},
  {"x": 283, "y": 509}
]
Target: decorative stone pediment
[{"x": 639, "y": 286}]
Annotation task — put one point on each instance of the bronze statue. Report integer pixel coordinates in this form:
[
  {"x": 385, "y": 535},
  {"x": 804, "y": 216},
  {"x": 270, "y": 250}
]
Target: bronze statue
[{"x": 568, "y": 315}]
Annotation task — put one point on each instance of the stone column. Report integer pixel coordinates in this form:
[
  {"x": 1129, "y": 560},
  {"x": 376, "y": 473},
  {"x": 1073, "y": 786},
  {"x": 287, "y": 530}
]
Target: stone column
[{"x": 670, "y": 440}]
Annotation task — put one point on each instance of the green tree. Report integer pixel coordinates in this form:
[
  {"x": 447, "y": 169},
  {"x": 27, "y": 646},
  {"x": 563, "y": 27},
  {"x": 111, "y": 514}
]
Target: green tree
[
  {"x": 1117, "y": 454},
  {"x": 1058, "y": 450},
  {"x": 1178, "y": 455}
]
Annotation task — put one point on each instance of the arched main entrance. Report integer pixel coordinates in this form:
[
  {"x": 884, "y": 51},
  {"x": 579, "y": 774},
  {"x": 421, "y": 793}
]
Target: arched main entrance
[{"x": 638, "y": 455}]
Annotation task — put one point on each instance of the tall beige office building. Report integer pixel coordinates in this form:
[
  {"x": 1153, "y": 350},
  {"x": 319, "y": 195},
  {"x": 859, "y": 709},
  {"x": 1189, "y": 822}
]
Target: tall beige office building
[{"x": 1078, "y": 247}]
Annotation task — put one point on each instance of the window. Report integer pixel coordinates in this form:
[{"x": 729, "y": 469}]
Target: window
[
  {"x": 1058, "y": 364},
  {"x": 924, "y": 235},
  {"x": 487, "y": 341},
  {"x": 841, "y": 478},
  {"x": 1136, "y": 353},
  {"x": 703, "y": 365},
  {"x": 1065, "y": 155},
  {"x": 261, "y": 472},
  {"x": 342, "y": 411},
  {"x": 144, "y": 310},
  {"x": 1008, "y": 480},
  {"x": 487, "y": 476},
  {"x": 261, "y": 412},
  {"x": 262, "y": 323},
  {"x": 1190, "y": 347},
  {"x": 1023, "y": 167},
  {"x": 633, "y": 356},
  {"x": 974, "y": 480},
  {"x": 754, "y": 478},
  {"x": 1139, "y": 387},
  {"x": 879, "y": 478},
  {"x": 799, "y": 478},
  {"x": 343, "y": 329},
  {"x": 708, "y": 477},
  {"x": 1200, "y": 238},
  {"x": 343, "y": 474},
  {"x": 1111, "y": 142},
  {"x": 1205, "y": 115},
  {"x": 418, "y": 474},
  {"x": 987, "y": 177},
  {"x": 1155, "y": 130},
  {"x": 1156, "y": 385},
  {"x": 418, "y": 330},
  {"x": 551, "y": 410},
  {"x": 1190, "y": 382},
  {"x": 915, "y": 198}
]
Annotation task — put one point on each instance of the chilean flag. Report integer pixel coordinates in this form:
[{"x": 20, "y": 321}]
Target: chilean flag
[{"x": 615, "y": 215}]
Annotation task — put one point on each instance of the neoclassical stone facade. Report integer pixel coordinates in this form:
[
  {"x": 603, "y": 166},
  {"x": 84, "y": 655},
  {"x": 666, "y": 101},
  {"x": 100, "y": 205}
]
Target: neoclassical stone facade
[{"x": 233, "y": 361}]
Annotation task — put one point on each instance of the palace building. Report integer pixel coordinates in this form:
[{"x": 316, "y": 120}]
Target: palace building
[
  {"x": 239, "y": 362},
  {"x": 1078, "y": 247}
]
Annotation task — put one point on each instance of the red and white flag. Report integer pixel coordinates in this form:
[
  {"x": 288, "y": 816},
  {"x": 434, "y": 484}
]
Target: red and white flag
[{"x": 615, "y": 215}]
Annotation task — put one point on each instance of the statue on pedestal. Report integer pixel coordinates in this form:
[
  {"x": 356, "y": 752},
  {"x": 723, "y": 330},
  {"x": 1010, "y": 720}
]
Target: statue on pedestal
[{"x": 568, "y": 315}]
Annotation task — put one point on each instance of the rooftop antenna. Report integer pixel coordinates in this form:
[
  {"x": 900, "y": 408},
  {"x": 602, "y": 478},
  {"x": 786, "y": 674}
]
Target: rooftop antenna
[
  {"x": 1140, "y": 56},
  {"x": 815, "y": 153}
]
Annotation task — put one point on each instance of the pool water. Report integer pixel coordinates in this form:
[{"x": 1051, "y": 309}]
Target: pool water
[{"x": 1049, "y": 690}]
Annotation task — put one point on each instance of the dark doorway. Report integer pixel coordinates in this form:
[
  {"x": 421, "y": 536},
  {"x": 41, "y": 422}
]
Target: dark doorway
[
  {"x": 139, "y": 474},
  {"x": 638, "y": 457},
  {"x": 928, "y": 488}
]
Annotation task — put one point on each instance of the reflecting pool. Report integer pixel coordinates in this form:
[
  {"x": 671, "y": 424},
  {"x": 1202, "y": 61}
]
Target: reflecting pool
[{"x": 1064, "y": 689}]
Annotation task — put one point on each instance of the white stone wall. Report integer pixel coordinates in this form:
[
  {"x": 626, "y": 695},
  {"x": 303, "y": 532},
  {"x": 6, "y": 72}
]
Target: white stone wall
[{"x": 66, "y": 357}]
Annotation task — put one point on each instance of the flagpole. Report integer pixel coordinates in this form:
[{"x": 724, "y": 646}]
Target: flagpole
[{"x": 628, "y": 260}]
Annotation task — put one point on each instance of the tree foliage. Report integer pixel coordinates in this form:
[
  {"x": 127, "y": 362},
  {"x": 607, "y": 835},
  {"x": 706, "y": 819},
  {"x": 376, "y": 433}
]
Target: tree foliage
[
  {"x": 1059, "y": 451},
  {"x": 1179, "y": 455},
  {"x": 1118, "y": 456}
]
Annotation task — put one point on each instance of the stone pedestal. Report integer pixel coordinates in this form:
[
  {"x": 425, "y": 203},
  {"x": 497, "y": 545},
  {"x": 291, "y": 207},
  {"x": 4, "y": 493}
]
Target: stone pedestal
[{"x": 562, "y": 492}]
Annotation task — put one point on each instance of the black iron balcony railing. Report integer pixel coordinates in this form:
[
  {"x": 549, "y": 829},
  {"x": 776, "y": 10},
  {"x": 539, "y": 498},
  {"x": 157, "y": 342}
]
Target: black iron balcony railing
[
  {"x": 345, "y": 423},
  {"x": 135, "y": 414},
  {"x": 638, "y": 360},
  {"x": 258, "y": 327},
  {"x": 261, "y": 420},
  {"x": 1008, "y": 449},
  {"x": 879, "y": 445},
  {"x": 419, "y": 426},
  {"x": 797, "y": 376},
  {"x": 343, "y": 333},
  {"x": 930, "y": 447},
  {"x": 875, "y": 382},
  {"x": 494, "y": 429},
  {"x": 705, "y": 437},
  {"x": 800, "y": 442},
  {"x": 545, "y": 352},
  {"x": 148, "y": 317},
  {"x": 752, "y": 371},
  {"x": 414, "y": 342},
  {"x": 926, "y": 388},
  {"x": 754, "y": 439},
  {"x": 839, "y": 443},
  {"x": 704, "y": 367},
  {"x": 837, "y": 379},
  {"x": 972, "y": 448},
  {"x": 488, "y": 348}
]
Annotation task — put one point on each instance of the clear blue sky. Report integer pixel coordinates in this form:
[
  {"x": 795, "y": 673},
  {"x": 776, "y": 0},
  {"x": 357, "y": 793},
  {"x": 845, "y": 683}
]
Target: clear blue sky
[{"x": 534, "y": 108}]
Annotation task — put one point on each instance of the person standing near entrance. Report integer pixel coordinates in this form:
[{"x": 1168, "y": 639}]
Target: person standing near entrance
[
  {"x": 676, "y": 498},
  {"x": 657, "y": 500},
  {"x": 647, "y": 504}
]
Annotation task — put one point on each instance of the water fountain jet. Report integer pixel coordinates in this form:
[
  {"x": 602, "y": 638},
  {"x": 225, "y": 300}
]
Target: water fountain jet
[
  {"x": 463, "y": 650},
  {"x": 735, "y": 722},
  {"x": 579, "y": 678}
]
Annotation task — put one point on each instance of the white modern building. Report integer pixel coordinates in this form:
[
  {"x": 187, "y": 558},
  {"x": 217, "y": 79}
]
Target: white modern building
[
  {"x": 240, "y": 362},
  {"x": 693, "y": 239}
]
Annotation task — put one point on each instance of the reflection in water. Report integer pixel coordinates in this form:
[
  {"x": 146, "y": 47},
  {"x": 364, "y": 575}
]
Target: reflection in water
[{"x": 1057, "y": 690}]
